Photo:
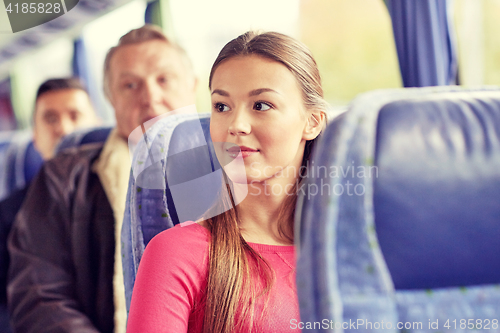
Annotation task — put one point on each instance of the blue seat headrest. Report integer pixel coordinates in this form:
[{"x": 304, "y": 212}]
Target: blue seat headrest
[
  {"x": 5, "y": 139},
  {"x": 189, "y": 157},
  {"x": 85, "y": 136},
  {"x": 437, "y": 194},
  {"x": 173, "y": 151},
  {"x": 20, "y": 162},
  {"x": 33, "y": 161},
  {"x": 406, "y": 225}
]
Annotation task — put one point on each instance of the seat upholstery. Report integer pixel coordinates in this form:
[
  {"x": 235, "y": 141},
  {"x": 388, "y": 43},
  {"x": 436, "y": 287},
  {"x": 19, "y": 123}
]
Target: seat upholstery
[
  {"x": 442, "y": 156},
  {"x": 5, "y": 138},
  {"x": 416, "y": 237},
  {"x": 84, "y": 136},
  {"x": 20, "y": 163},
  {"x": 176, "y": 150}
]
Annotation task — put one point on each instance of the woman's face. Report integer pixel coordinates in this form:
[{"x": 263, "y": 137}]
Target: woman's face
[{"x": 257, "y": 105}]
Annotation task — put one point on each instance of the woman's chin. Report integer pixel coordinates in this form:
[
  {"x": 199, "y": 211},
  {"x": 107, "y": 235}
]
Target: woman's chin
[{"x": 239, "y": 179}]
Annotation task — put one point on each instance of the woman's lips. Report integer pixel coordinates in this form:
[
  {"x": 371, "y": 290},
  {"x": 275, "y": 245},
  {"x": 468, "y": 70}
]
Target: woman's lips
[{"x": 245, "y": 151}]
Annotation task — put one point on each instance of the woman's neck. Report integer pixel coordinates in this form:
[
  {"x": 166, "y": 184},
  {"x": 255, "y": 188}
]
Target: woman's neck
[{"x": 261, "y": 209}]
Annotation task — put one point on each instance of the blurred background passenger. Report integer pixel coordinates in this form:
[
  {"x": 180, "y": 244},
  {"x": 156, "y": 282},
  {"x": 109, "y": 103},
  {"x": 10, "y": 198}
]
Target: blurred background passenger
[
  {"x": 62, "y": 106},
  {"x": 66, "y": 271}
]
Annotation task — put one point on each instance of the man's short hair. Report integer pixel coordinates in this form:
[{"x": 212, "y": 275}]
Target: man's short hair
[
  {"x": 55, "y": 85},
  {"x": 143, "y": 34},
  {"x": 59, "y": 84}
]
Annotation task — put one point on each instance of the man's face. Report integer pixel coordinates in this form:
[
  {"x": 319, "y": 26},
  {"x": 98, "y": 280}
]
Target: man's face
[
  {"x": 58, "y": 113},
  {"x": 147, "y": 80}
]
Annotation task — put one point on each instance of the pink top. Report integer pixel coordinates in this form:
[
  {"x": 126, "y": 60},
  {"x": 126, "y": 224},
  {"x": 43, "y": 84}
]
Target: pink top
[{"x": 172, "y": 276}]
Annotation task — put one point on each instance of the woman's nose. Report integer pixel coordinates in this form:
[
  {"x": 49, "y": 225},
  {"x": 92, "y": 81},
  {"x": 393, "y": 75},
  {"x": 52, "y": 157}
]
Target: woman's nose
[{"x": 240, "y": 123}]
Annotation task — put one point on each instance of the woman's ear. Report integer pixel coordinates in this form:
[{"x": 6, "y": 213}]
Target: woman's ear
[{"x": 315, "y": 124}]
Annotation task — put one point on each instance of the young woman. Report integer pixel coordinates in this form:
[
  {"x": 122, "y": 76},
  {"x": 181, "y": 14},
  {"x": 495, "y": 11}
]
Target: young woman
[{"x": 235, "y": 272}]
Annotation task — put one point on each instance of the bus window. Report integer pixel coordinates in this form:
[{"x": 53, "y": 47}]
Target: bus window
[
  {"x": 31, "y": 69},
  {"x": 478, "y": 43},
  {"x": 98, "y": 36},
  {"x": 353, "y": 44},
  {"x": 204, "y": 31}
]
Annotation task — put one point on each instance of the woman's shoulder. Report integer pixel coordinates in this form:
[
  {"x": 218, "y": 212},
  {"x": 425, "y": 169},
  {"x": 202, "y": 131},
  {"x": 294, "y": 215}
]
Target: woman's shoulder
[
  {"x": 170, "y": 280},
  {"x": 187, "y": 239}
]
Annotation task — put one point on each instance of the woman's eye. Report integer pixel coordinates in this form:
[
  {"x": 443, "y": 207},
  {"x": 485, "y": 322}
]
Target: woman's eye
[
  {"x": 261, "y": 106},
  {"x": 221, "y": 107}
]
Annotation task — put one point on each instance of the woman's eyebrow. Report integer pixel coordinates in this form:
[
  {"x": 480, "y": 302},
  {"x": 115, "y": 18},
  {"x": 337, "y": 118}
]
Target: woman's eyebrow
[
  {"x": 260, "y": 91},
  {"x": 251, "y": 93},
  {"x": 220, "y": 92}
]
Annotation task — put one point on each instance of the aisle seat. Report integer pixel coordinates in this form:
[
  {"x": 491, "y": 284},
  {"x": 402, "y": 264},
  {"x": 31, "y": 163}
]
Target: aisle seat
[
  {"x": 170, "y": 183},
  {"x": 416, "y": 240}
]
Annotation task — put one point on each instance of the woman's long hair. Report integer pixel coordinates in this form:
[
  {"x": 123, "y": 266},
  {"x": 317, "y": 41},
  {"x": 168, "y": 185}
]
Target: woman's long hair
[{"x": 230, "y": 295}]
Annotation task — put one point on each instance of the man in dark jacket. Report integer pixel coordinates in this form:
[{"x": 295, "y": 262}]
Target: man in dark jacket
[
  {"x": 65, "y": 273},
  {"x": 62, "y": 105}
]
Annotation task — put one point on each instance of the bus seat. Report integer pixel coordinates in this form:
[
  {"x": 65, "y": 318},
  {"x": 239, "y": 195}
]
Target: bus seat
[
  {"x": 5, "y": 139},
  {"x": 20, "y": 163},
  {"x": 178, "y": 149},
  {"x": 399, "y": 221},
  {"x": 84, "y": 136}
]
